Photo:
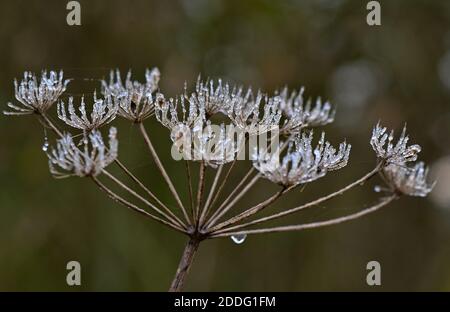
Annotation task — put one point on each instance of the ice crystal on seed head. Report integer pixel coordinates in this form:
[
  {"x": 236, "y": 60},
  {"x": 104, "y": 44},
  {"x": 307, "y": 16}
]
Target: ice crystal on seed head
[
  {"x": 209, "y": 98},
  {"x": 298, "y": 115},
  {"x": 117, "y": 88},
  {"x": 399, "y": 153},
  {"x": 410, "y": 181},
  {"x": 253, "y": 113},
  {"x": 168, "y": 114},
  {"x": 302, "y": 163},
  {"x": 212, "y": 98},
  {"x": 204, "y": 142},
  {"x": 90, "y": 159},
  {"x": 103, "y": 112},
  {"x": 136, "y": 100},
  {"x": 37, "y": 95}
]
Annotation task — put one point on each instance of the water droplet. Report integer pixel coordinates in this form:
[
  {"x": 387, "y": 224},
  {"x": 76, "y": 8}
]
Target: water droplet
[
  {"x": 239, "y": 239},
  {"x": 377, "y": 189},
  {"x": 45, "y": 145}
]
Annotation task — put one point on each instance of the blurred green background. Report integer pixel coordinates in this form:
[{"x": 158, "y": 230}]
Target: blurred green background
[{"x": 398, "y": 72}]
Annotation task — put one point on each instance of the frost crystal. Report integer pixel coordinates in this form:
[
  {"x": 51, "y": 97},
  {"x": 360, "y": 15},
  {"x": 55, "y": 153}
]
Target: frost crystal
[
  {"x": 212, "y": 99},
  {"x": 103, "y": 112},
  {"x": 136, "y": 100},
  {"x": 88, "y": 160},
  {"x": 205, "y": 142},
  {"x": 302, "y": 164},
  {"x": 385, "y": 149},
  {"x": 410, "y": 181},
  {"x": 298, "y": 115},
  {"x": 208, "y": 99},
  {"x": 37, "y": 96},
  {"x": 167, "y": 113},
  {"x": 255, "y": 114}
]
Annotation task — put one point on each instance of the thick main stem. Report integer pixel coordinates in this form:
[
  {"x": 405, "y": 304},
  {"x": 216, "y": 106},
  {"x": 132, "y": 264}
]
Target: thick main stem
[{"x": 185, "y": 264}]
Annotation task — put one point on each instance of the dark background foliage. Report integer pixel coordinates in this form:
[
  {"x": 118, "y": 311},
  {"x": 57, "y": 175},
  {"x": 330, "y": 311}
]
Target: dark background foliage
[{"x": 399, "y": 72}]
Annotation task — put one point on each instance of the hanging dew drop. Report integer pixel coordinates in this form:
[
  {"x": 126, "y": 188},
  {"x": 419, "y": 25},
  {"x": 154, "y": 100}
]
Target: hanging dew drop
[
  {"x": 45, "y": 145},
  {"x": 377, "y": 189},
  {"x": 239, "y": 239}
]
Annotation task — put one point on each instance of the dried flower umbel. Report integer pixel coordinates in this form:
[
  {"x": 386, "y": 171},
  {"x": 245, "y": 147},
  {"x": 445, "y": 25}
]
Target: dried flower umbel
[
  {"x": 207, "y": 213},
  {"x": 103, "y": 112},
  {"x": 303, "y": 164},
  {"x": 37, "y": 95},
  {"x": 136, "y": 100},
  {"x": 88, "y": 160}
]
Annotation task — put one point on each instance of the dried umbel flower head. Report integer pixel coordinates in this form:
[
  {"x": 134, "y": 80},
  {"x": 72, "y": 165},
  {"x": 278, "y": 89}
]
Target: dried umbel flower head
[
  {"x": 116, "y": 87},
  {"x": 298, "y": 115},
  {"x": 252, "y": 114},
  {"x": 136, "y": 100},
  {"x": 168, "y": 114},
  {"x": 103, "y": 112},
  {"x": 211, "y": 144},
  {"x": 88, "y": 160},
  {"x": 408, "y": 180},
  {"x": 386, "y": 150},
  {"x": 302, "y": 163},
  {"x": 210, "y": 97},
  {"x": 37, "y": 95}
]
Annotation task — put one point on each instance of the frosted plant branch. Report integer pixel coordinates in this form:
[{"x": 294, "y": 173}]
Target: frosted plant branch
[
  {"x": 225, "y": 207},
  {"x": 222, "y": 185},
  {"x": 133, "y": 207},
  {"x": 210, "y": 195},
  {"x": 74, "y": 148},
  {"x": 189, "y": 180},
  {"x": 200, "y": 191},
  {"x": 190, "y": 115},
  {"x": 146, "y": 202},
  {"x": 162, "y": 170},
  {"x": 143, "y": 187},
  {"x": 219, "y": 211},
  {"x": 383, "y": 202},
  {"x": 313, "y": 203},
  {"x": 222, "y": 211},
  {"x": 251, "y": 211}
]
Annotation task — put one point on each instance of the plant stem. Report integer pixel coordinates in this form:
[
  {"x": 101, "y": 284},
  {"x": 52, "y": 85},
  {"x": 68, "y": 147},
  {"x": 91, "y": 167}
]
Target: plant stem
[
  {"x": 189, "y": 179},
  {"x": 251, "y": 211},
  {"x": 210, "y": 196},
  {"x": 218, "y": 213},
  {"x": 200, "y": 191},
  {"x": 316, "y": 202},
  {"x": 163, "y": 170},
  {"x": 150, "y": 193},
  {"x": 383, "y": 202},
  {"x": 131, "y": 206},
  {"x": 185, "y": 264}
]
